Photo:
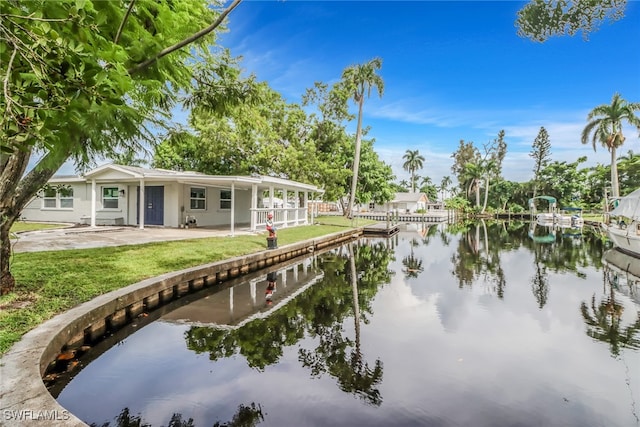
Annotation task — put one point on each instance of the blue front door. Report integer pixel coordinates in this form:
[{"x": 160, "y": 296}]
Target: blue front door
[{"x": 153, "y": 205}]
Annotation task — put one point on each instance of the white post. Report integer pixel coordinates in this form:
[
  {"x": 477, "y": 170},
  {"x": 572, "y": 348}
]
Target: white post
[
  {"x": 285, "y": 197},
  {"x": 93, "y": 203},
  {"x": 141, "y": 209},
  {"x": 233, "y": 208},
  {"x": 254, "y": 206},
  {"x": 305, "y": 205},
  {"x": 297, "y": 205}
]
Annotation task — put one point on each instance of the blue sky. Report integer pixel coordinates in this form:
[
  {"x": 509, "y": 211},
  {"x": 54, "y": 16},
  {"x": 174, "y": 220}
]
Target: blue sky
[{"x": 452, "y": 70}]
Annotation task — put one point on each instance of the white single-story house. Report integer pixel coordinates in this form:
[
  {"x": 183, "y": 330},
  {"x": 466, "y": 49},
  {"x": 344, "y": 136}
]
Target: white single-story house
[
  {"x": 127, "y": 195},
  {"x": 402, "y": 203}
]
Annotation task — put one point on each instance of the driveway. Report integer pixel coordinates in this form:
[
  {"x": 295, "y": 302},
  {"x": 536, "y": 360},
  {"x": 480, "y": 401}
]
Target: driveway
[{"x": 88, "y": 237}]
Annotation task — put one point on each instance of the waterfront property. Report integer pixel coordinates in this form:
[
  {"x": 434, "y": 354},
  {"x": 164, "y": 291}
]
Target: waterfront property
[
  {"x": 126, "y": 195},
  {"x": 438, "y": 325}
]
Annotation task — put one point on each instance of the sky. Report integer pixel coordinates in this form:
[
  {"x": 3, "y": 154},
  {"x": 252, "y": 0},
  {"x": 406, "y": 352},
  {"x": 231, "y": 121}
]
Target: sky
[{"x": 452, "y": 71}]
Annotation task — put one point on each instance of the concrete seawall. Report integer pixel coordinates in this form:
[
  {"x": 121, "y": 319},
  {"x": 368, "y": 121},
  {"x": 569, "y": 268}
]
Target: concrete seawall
[{"x": 24, "y": 398}]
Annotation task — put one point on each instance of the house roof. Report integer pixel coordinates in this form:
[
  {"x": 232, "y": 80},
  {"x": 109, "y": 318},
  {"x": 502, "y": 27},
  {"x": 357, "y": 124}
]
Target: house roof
[
  {"x": 409, "y": 197},
  {"x": 120, "y": 173}
]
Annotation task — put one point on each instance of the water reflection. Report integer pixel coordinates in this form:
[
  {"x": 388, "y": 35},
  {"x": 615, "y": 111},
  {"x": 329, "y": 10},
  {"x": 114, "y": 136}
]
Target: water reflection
[{"x": 481, "y": 325}]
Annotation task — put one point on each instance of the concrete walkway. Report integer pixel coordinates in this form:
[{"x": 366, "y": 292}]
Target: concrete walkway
[{"x": 95, "y": 237}]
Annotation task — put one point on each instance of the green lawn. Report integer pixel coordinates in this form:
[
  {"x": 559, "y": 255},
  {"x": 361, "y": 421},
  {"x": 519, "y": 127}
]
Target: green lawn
[
  {"x": 51, "y": 282},
  {"x": 19, "y": 226}
]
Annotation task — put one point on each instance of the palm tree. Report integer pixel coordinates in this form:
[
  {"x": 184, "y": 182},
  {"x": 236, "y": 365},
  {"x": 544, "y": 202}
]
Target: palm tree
[
  {"x": 473, "y": 173},
  {"x": 404, "y": 184},
  {"x": 413, "y": 162},
  {"x": 605, "y": 122},
  {"x": 444, "y": 185},
  {"x": 359, "y": 79}
]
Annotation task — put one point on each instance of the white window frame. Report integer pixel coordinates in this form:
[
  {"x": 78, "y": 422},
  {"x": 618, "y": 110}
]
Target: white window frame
[
  {"x": 49, "y": 195},
  {"x": 52, "y": 198},
  {"x": 226, "y": 200},
  {"x": 194, "y": 206},
  {"x": 65, "y": 195},
  {"x": 110, "y": 198}
]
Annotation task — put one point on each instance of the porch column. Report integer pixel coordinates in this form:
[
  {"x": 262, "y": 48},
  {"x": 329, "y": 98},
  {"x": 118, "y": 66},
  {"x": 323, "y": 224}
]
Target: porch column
[
  {"x": 305, "y": 205},
  {"x": 254, "y": 206},
  {"x": 93, "y": 202},
  {"x": 296, "y": 205},
  {"x": 141, "y": 206},
  {"x": 285, "y": 197},
  {"x": 271, "y": 197},
  {"x": 233, "y": 208}
]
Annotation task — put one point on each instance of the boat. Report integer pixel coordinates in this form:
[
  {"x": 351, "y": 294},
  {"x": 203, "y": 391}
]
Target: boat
[
  {"x": 623, "y": 272},
  {"x": 554, "y": 217},
  {"x": 623, "y": 227}
]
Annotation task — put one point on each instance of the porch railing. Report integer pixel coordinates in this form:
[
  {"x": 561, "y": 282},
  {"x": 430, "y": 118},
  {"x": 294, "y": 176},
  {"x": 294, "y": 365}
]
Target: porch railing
[{"x": 282, "y": 217}]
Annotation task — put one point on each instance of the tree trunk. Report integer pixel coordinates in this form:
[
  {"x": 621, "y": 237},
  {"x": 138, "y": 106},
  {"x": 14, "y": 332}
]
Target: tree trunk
[
  {"x": 15, "y": 192},
  {"x": 356, "y": 159},
  {"x": 477, "y": 189},
  {"x": 486, "y": 195},
  {"x": 615, "y": 189}
]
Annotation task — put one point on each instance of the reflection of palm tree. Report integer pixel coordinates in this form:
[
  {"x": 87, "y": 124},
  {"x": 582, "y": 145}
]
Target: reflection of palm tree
[
  {"x": 603, "y": 322},
  {"x": 540, "y": 284},
  {"x": 413, "y": 266},
  {"x": 363, "y": 380}
]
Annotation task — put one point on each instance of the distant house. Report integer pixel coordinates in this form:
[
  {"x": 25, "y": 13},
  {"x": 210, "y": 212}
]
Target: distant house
[
  {"x": 403, "y": 203},
  {"x": 126, "y": 195}
]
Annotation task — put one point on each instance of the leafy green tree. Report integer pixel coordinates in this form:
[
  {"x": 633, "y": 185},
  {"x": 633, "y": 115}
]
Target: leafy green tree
[
  {"x": 494, "y": 154},
  {"x": 629, "y": 170},
  {"x": 375, "y": 177},
  {"x": 466, "y": 153},
  {"x": 541, "y": 154},
  {"x": 358, "y": 80},
  {"x": 413, "y": 162},
  {"x": 472, "y": 176},
  {"x": 541, "y": 19},
  {"x": 605, "y": 126},
  {"x": 83, "y": 78},
  {"x": 565, "y": 181}
]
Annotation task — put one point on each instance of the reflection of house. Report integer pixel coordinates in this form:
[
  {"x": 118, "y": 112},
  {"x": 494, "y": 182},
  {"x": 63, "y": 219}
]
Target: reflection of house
[
  {"x": 238, "y": 305},
  {"x": 127, "y": 195},
  {"x": 403, "y": 203}
]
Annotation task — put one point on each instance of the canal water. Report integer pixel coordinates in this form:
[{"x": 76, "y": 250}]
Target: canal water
[{"x": 484, "y": 325}]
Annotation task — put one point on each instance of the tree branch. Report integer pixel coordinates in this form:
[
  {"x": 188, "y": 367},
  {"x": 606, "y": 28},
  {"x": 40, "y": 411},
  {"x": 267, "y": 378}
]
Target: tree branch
[
  {"x": 124, "y": 21},
  {"x": 189, "y": 40}
]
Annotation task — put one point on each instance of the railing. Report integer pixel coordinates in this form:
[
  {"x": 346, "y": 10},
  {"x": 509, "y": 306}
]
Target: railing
[{"x": 282, "y": 217}]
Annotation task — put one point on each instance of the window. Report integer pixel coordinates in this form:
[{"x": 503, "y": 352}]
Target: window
[
  {"x": 198, "y": 198},
  {"x": 50, "y": 198},
  {"x": 372, "y": 206},
  {"x": 110, "y": 197},
  {"x": 57, "y": 197},
  {"x": 225, "y": 199},
  {"x": 66, "y": 197}
]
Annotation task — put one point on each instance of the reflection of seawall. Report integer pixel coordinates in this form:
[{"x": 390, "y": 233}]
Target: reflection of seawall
[
  {"x": 238, "y": 305},
  {"x": 623, "y": 268}
]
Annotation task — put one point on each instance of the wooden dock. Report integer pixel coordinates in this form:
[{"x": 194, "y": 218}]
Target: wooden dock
[
  {"x": 381, "y": 229},
  {"x": 430, "y": 217}
]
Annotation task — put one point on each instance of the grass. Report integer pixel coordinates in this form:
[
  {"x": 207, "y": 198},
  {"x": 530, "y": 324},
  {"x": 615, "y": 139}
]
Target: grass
[
  {"x": 20, "y": 226},
  {"x": 51, "y": 282}
]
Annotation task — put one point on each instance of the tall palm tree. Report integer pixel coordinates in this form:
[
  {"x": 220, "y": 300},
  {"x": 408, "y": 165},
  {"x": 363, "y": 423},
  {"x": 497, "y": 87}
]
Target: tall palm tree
[
  {"x": 359, "y": 80},
  {"x": 444, "y": 185},
  {"x": 473, "y": 173},
  {"x": 605, "y": 123},
  {"x": 413, "y": 162}
]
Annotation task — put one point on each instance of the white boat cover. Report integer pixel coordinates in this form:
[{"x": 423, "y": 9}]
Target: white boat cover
[{"x": 628, "y": 206}]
